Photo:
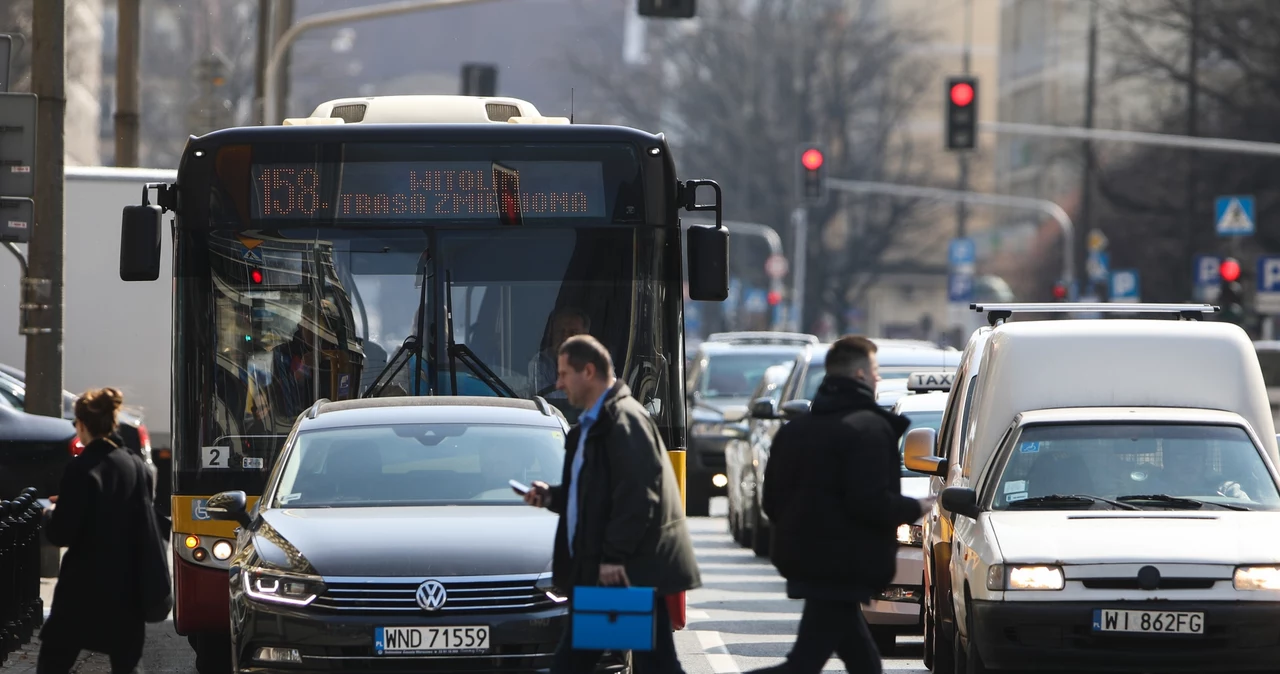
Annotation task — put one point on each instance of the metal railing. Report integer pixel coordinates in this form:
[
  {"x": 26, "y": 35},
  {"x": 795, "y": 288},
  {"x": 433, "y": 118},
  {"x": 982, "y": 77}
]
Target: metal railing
[{"x": 21, "y": 609}]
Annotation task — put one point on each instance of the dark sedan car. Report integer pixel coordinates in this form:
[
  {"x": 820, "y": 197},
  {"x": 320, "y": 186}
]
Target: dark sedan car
[
  {"x": 389, "y": 539},
  {"x": 33, "y": 452}
]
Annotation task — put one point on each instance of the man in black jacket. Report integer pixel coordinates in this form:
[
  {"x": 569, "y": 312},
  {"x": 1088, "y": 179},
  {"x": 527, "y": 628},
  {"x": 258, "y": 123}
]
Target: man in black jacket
[
  {"x": 621, "y": 520},
  {"x": 833, "y": 493}
]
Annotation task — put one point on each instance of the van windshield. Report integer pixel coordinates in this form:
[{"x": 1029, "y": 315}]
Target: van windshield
[{"x": 1150, "y": 465}]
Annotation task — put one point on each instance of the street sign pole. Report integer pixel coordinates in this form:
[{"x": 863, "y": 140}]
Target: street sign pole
[{"x": 800, "y": 220}]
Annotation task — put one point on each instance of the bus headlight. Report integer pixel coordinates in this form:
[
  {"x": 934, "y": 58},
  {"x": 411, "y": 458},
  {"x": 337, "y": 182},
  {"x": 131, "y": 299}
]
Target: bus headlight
[
  {"x": 911, "y": 534},
  {"x": 222, "y": 550},
  {"x": 281, "y": 588},
  {"x": 1000, "y": 577},
  {"x": 1257, "y": 578}
]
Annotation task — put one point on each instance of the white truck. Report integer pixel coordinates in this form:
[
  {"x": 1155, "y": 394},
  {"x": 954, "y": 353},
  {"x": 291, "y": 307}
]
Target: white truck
[{"x": 116, "y": 333}]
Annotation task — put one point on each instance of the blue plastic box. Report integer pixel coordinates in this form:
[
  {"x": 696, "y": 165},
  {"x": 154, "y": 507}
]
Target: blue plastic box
[{"x": 613, "y": 618}]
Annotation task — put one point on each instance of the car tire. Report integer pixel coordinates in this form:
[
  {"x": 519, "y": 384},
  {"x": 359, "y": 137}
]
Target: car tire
[
  {"x": 213, "y": 653},
  {"x": 761, "y": 538},
  {"x": 968, "y": 660},
  {"x": 886, "y": 639},
  {"x": 697, "y": 497}
]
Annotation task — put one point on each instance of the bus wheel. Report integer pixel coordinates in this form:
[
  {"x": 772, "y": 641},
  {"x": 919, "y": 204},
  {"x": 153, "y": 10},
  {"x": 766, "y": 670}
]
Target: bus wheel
[{"x": 213, "y": 653}]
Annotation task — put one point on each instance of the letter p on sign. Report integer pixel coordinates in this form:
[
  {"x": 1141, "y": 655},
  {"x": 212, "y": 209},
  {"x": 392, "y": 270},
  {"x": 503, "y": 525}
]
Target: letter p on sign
[{"x": 1270, "y": 274}]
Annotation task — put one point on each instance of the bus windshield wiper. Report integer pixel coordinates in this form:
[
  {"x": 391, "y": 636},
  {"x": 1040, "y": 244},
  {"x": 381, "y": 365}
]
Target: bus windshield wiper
[
  {"x": 1176, "y": 501},
  {"x": 464, "y": 353},
  {"x": 1062, "y": 499},
  {"x": 395, "y": 363}
]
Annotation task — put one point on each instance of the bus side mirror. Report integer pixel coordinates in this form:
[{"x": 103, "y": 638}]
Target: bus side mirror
[
  {"x": 140, "y": 243},
  {"x": 708, "y": 263}
]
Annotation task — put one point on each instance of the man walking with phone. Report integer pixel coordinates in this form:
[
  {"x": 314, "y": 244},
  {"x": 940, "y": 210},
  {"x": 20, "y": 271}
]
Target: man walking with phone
[
  {"x": 832, "y": 490},
  {"x": 621, "y": 519}
]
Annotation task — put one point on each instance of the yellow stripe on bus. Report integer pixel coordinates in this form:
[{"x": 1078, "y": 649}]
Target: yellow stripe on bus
[{"x": 185, "y": 518}]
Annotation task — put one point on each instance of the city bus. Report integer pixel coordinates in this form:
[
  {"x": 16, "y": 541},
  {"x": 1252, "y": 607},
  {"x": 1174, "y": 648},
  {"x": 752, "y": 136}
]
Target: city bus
[{"x": 363, "y": 253}]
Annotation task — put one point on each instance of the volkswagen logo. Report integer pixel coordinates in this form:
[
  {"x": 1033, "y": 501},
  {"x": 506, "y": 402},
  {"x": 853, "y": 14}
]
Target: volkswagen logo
[{"x": 431, "y": 595}]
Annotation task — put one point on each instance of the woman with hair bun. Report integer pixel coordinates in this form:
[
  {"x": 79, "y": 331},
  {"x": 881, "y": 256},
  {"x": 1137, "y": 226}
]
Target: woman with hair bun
[{"x": 99, "y": 517}]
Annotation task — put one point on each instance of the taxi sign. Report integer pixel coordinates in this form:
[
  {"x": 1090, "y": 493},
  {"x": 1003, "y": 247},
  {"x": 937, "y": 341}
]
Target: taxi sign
[{"x": 919, "y": 382}]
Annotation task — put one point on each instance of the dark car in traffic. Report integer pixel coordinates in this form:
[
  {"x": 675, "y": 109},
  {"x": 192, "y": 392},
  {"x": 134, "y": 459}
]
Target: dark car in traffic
[
  {"x": 33, "y": 452},
  {"x": 388, "y": 539}
]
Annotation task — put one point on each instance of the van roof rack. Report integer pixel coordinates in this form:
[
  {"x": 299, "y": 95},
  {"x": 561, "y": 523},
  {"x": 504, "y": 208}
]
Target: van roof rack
[
  {"x": 315, "y": 408},
  {"x": 998, "y": 313}
]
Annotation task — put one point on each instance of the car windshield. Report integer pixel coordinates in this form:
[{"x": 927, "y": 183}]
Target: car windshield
[
  {"x": 736, "y": 375},
  {"x": 417, "y": 464},
  {"x": 1183, "y": 465},
  {"x": 918, "y": 420}
]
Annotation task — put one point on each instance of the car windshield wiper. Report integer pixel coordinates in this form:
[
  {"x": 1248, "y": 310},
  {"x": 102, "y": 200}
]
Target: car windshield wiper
[
  {"x": 464, "y": 353},
  {"x": 1175, "y": 501},
  {"x": 1060, "y": 499}
]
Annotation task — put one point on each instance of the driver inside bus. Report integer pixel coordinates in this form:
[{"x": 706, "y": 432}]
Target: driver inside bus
[{"x": 565, "y": 323}]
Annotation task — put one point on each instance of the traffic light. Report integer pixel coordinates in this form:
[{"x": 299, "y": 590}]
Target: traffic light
[
  {"x": 1060, "y": 292},
  {"x": 668, "y": 9},
  {"x": 255, "y": 276},
  {"x": 962, "y": 113},
  {"x": 479, "y": 79},
  {"x": 811, "y": 179},
  {"x": 1230, "y": 293}
]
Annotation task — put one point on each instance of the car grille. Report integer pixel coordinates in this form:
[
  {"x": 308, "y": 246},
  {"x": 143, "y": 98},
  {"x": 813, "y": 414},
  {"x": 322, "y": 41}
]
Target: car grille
[{"x": 376, "y": 596}]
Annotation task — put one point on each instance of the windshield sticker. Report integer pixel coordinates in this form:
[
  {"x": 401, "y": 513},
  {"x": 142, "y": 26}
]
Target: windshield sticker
[
  {"x": 1029, "y": 447},
  {"x": 1015, "y": 485},
  {"x": 1010, "y": 498},
  {"x": 1138, "y": 476},
  {"x": 252, "y": 463},
  {"x": 215, "y": 458},
  {"x": 289, "y": 498}
]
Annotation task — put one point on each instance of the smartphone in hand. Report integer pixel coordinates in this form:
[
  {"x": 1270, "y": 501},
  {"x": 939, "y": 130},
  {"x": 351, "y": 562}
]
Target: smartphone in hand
[{"x": 519, "y": 487}]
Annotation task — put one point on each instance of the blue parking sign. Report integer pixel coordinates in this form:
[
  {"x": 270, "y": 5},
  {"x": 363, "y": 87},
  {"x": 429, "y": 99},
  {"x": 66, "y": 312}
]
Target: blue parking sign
[{"x": 1124, "y": 285}]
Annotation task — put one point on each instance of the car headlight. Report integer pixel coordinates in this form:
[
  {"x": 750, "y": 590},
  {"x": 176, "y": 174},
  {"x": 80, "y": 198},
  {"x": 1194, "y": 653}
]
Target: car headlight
[
  {"x": 1257, "y": 578},
  {"x": 281, "y": 588},
  {"x": 1001, "y": 577},
  {"x": 911, "y": 534},
  {"x": 545, "y": 585},
  {"x": 707, "y": 428}
]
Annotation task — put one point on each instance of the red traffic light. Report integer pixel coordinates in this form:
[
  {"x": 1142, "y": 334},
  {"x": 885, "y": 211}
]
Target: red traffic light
[
  {"x": 961, "y": 94},
  {"x": 812, "y": 159},
  {"x": 1059, "y": 291},
  {"x": 1229, "y": 270},
  {"x": 774, "y": 298},
  {"x": 256, "y": 276}
]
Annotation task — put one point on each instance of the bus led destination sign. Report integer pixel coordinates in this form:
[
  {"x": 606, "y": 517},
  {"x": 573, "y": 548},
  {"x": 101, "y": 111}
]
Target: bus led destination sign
[{"x": 415, "y": 190}]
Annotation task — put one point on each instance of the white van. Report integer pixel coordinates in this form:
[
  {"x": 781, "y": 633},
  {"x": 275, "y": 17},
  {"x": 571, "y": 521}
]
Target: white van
[{"x": 1108, "y": 504}]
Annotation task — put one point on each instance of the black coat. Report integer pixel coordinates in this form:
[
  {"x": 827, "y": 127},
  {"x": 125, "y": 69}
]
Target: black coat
[
  {"x": 98, "y": 518},
  {"x": 629, "y": 507},
  {"x": 832, "y": 491}
]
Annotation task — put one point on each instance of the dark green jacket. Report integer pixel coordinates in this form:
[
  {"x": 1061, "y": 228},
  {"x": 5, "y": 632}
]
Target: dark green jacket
[{"x": 629, "y": 508}]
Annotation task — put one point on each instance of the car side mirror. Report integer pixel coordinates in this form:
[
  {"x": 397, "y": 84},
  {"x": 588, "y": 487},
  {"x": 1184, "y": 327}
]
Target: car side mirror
[
  {"x": 229, "y": 506},
  {"x": 794, "y": 408},
  {"x": 763, "y": 408},
  {"x": 917, "y": 453},
  {"x": 960, "y": 500},
  {"x": 140, "y": 243}
]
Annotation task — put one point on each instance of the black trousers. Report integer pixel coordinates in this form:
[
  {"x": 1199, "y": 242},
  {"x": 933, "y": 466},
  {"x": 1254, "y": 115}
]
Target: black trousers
[
  {"x": 58, "y": 658},
  {"x": 661, "y": 660},
  {"x": 828, "y": 627}
]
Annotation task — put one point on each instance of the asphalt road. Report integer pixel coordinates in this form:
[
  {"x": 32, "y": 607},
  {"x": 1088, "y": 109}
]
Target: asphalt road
[{"x": 739, "y": 620}]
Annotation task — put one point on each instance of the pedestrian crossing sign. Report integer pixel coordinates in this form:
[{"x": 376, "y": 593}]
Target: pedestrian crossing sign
[{"x": 1234, "y": 216}]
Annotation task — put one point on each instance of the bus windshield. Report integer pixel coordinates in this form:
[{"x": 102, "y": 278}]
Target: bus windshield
[{"x": 494, "y": 305}]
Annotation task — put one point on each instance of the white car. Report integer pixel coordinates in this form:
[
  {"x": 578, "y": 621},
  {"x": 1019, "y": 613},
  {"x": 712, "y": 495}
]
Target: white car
[
  {"x": 897, "y": 610},
  {"x": 1111, "y": 506}
]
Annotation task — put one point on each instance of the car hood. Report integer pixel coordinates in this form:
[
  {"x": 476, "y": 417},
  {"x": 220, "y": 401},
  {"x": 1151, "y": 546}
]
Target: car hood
[
  {"x": 415, "y": 541},
  {"x": 1107, "y": 537},
  {"x": 18, "y": 426}
]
